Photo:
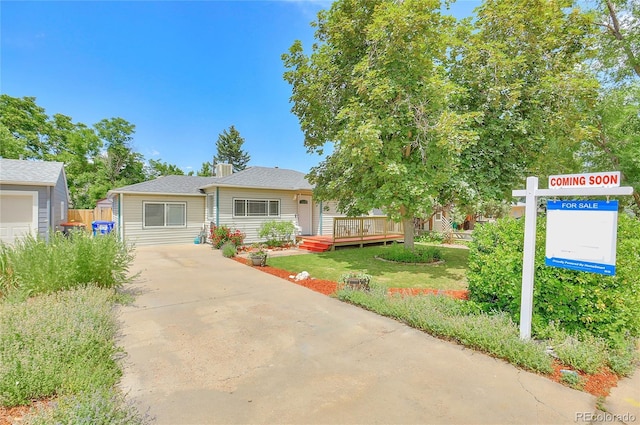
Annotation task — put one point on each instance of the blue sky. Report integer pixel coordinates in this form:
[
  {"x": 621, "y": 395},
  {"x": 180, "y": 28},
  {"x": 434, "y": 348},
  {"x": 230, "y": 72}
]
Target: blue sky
[{"x": 181, "y": 72}]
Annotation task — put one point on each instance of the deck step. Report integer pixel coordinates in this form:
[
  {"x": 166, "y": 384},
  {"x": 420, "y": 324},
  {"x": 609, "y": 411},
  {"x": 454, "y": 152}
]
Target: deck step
[{"x": 314, "y": 246}]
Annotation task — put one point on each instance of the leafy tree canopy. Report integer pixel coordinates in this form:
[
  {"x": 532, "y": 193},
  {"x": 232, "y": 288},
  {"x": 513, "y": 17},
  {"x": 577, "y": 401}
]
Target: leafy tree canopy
[
  {"x": 158, "y": 168},
  {"x": 377, "y": 87},
  {"x": 229, "y": 150}
]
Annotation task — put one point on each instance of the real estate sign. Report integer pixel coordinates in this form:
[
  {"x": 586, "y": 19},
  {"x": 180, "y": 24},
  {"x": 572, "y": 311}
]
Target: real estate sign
[
  {"x": 581, "y": 235},
  {"x": 584, "y": 246}
]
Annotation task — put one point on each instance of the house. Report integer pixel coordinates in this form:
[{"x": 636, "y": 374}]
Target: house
[
  {"x": 175, "y": 209},
  {"x": 34, "y": 198}
]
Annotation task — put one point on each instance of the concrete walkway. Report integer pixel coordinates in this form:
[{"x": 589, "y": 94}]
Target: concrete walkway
[{"x": 213, "y": 341}]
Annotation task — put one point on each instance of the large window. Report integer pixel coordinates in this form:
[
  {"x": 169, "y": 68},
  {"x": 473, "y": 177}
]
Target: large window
[
  {"x": 165, "y": 214},
  {"x": 256, "y": 207}
]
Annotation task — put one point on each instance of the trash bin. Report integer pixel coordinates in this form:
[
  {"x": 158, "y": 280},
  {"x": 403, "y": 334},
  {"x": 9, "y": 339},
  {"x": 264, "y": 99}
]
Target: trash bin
[{"x": 102, "y": 227}]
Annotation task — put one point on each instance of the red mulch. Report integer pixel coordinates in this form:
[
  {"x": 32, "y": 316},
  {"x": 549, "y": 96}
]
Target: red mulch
[
  {"x": 459, "y": 294},
  {"x": 325, "y": 287},
  {"x": 598, "y": 384},
  {"x": 10, "y": 415}
]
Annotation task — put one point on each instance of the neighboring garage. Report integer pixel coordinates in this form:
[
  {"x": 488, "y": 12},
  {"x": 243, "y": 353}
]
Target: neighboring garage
[
  {"x": 18, "y": 214},
  {"x": 34, "y": 198}
]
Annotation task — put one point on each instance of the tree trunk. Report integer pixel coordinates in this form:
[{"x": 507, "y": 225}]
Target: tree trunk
[{"x": 408, "y": 233}]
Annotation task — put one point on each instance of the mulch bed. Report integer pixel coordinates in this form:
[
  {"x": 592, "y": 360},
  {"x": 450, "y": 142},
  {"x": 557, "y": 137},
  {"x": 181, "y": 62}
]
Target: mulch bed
[
  {"x": 453, "y": 293},
  {"x": 598, "y": 384}
]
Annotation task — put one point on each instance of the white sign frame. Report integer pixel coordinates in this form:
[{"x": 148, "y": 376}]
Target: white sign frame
[{"x": 531, "y": 194}]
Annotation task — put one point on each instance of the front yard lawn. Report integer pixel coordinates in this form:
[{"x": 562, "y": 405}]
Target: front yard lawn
[{"x": 330, "y": 265}]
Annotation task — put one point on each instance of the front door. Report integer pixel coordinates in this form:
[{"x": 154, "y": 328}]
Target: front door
[{"x": 304, "y": 214}]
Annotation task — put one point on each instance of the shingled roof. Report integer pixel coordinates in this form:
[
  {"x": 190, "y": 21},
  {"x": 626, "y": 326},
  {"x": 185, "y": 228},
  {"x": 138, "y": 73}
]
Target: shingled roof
[
  {"x": 34, "y": 173},
  {"x": 265, "y": 178},
  {"x": 253, "y": 177},
  {"x": 169, "y": 185}
]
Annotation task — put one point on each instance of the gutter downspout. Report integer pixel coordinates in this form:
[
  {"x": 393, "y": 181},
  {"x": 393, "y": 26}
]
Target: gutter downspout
[{"x": 217, "y": 206}]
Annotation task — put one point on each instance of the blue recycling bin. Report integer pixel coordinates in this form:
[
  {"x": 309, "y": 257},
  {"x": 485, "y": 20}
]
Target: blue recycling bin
[{"x": 102, "y": 227}]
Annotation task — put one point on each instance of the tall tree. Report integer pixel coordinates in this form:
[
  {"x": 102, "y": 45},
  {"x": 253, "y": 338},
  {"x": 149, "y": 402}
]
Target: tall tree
[
  {"x": 206, "y": 170},
  {"x": 522, "y": 62},
  {"x": 619, "y": 49},
  {"x": 28, "y": 125},
  {"x": 229, "y": 150},
  {"x": 376, "y": 85},
  {"x": 158, "y": 168},
  {"x": 616, "y": 145},
  {"x": 121, "y": 165}
]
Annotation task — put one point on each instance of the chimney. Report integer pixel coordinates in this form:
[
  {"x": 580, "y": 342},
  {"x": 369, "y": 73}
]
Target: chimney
[{"x": 224, "y": 170}]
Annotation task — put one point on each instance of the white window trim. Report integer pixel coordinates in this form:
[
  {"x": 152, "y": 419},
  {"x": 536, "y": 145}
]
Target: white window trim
[
  {"x": 246, "y": 200},
  {"x": 144, "y": 220}
]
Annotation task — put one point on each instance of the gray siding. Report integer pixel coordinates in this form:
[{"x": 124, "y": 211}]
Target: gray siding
[
  {"x": 251, "y": 225},
  {"x": 59, "y": 203},
  {"x": 131, "y": 223}
]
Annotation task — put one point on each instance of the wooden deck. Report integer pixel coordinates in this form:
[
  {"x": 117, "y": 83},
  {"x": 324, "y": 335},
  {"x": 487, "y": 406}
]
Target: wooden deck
[{"x": 355, "y": 231}]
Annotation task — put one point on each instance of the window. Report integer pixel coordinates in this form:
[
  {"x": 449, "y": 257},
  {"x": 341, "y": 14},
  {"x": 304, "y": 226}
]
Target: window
[
  {"x": 165, "y": 214},
  {"x": 256, "y": 207},
  {"x": 210, "y": 205}
]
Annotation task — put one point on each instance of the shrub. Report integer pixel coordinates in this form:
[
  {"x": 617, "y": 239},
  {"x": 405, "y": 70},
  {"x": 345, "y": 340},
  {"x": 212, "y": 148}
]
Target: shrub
[
  {"x": 55, "y": 344},
  {"x": 221, "y": 234},
  {"x": 577, "y": 302},
  {"x": 276, "y": 232},
  {"x": 400, "y": 254},
  {"x": 432, "y": 237},
  {"x": 33, "y": 266},
  {"x": 229, "y": 249}
]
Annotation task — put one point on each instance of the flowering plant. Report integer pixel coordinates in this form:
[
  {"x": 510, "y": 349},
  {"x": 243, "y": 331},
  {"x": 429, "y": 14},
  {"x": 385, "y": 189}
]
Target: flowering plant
[{"x": 221, "y": 234}]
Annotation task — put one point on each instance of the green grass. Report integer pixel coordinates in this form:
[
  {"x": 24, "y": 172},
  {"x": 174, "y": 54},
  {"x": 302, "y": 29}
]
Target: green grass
[
  {"x": 458, "y": 321},
  {"x": 330, "y": 265}
]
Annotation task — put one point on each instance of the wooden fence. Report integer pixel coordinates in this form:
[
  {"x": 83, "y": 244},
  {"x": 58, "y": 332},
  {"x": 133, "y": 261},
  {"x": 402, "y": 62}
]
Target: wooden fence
[{"x": 88, "y": 216}]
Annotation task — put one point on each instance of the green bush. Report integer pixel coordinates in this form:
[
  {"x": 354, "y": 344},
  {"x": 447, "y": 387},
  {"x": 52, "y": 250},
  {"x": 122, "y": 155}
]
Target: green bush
[
  {"x": 419, "y": 254},
  {"x": 229, "y": 249},
  {"x": 431, "y": 237},
  {"x": 277, "y": 233},
  {"x": 55, "y": 344},
  {"x": 579, "y": 303},
  {"x": 33, "y": 266}
]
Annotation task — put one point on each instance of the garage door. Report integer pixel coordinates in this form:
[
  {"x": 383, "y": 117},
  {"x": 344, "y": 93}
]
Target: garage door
[{"x": 18, "y": 214}]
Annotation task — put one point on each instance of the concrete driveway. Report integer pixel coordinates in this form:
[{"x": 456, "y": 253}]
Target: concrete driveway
[{"x": 213, "y": 341}]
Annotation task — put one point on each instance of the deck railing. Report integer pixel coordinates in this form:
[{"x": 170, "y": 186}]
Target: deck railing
[{"x": 355, "y": 228}]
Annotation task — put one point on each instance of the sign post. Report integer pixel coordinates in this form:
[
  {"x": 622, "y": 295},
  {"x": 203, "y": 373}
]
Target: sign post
[{"x": 589, "y": 184}]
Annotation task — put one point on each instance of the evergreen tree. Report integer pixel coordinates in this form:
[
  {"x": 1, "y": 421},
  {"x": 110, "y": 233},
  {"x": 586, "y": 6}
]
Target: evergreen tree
[{"x": 229, "y": 150}]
